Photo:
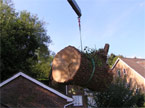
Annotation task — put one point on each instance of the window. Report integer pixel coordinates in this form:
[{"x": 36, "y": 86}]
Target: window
[
  {"x": 77, "y": 100},
  {"x": 91, "y": 102},
  {"x": 124, "y": 71},
  {"x": 118, "y": 73},
  {"x": 137, "y": 90}
]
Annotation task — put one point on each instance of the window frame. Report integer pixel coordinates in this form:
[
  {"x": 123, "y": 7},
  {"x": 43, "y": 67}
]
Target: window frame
[
  {"x": 78, "y": 100},
  {"x": 124, "y": 71},
  {"x": 118, "y": 73}
]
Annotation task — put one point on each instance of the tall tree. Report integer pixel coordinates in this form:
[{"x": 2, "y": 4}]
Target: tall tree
[
  {"x": 43, "y": 65},
  {"x": 21, "y": 35}
]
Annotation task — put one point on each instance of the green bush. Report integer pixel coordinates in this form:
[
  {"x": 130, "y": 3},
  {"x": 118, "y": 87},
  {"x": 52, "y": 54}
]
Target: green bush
[{"x": 119, "y": 94}]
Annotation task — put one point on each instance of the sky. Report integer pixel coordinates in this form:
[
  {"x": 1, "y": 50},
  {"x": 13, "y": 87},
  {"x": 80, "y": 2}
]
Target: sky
[{"x": 120, "y": 23}]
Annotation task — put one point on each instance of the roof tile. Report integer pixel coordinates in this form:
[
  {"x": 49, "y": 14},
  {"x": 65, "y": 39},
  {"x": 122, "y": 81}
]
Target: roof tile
[{"x": 137, "y": 64}]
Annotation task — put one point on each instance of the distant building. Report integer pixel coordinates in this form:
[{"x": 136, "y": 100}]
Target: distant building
[{"x": 133, "y": 69}]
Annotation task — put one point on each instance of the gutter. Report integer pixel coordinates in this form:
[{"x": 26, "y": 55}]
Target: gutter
[{"x": 68, "y": 104}]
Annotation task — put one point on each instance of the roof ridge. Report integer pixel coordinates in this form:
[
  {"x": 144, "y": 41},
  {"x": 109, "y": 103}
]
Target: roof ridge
[
  {"x": 135, "y": 66},
  {"x": 133, "y": 58},
  {"x": 38, "y": 83}
]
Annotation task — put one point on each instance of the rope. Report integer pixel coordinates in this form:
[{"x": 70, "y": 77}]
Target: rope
[
  {"x": 80, "y": 33},
  {"x": 92, "y": 74}
]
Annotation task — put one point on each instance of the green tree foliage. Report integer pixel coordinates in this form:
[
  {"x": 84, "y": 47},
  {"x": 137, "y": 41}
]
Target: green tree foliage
[
  {"x": 43, "y": 65},
  {"x": 112, "y": 58},
  {"x": 21, "y": 35},
  {"x": 119, "y": 94},
  {"x": 97, "y": 55}
]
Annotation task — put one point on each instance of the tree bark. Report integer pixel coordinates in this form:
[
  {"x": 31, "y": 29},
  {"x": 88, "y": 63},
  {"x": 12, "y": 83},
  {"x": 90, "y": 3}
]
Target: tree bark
[{"x": 70, "y": 66}]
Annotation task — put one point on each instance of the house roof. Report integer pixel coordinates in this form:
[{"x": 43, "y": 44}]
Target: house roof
[
  {"x": 38, "y": 83},
  {"x": 136, "y": 64}
]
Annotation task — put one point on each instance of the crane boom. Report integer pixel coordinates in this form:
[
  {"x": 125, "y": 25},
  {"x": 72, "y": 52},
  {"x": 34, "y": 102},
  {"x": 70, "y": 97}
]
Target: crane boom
[{"x": 75, "y": 7}]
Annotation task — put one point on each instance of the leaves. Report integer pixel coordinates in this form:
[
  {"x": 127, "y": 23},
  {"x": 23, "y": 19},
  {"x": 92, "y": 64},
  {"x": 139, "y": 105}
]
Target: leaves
[
  {"x": 119, "y": 94},
  {"x": 21, "y": 36},
  {"x": 95, "y": 55},
  {"x": 112, "y": 58}
]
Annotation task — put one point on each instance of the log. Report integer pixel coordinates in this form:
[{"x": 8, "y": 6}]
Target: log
[{"x": 70, "y": 66}]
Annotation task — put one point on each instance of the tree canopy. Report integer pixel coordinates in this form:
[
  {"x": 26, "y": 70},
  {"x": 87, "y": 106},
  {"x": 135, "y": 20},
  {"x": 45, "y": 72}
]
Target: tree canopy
[
  {"x": 22, "y": 35},
  {"x": 112, "y": 58}
]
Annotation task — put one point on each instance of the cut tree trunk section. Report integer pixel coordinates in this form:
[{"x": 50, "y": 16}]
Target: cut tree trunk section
[
  {"x": 70, "y": 66},
  {"x": 65, "y": 64}
]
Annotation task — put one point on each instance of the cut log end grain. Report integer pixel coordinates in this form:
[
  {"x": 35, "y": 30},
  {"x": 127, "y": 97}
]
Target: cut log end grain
[
  {"x": 65, "y": 64},
  {"x": 70, "y": 66}
]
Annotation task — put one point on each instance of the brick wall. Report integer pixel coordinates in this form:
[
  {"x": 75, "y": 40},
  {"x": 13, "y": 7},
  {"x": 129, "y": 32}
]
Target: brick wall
[
  {"x": 23, "y": 93},
  {"x": 132, "y": 76}
]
